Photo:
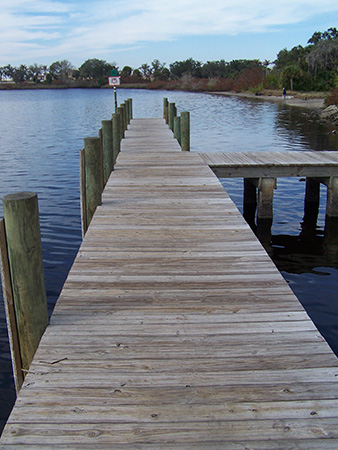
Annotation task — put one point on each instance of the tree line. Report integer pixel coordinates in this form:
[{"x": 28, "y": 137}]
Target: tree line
[{"x": 310, "y": 68}]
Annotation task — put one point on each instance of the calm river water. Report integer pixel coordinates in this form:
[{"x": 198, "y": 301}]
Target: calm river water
[{"x": 41, "y": 133}]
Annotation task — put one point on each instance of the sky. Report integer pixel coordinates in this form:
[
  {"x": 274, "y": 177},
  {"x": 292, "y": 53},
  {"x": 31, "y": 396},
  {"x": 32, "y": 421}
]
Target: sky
[{"x": 130, "y": 32}]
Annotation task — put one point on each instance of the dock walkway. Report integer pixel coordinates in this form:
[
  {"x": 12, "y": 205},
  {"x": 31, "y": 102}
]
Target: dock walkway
[{"x": 174, "y": 330}]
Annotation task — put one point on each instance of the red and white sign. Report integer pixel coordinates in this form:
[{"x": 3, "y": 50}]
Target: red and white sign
[{"x": 114, "y": 81}]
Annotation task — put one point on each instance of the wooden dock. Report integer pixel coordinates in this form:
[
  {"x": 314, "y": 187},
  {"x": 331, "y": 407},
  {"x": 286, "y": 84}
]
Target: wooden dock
[
  {"x": 260, "y": 171},
  {"x": 174, "y": 329}
]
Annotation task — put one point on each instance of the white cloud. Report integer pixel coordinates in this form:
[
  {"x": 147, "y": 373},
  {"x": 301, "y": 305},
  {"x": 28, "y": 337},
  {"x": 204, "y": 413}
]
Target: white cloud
[{"x": 65, "y": 29}]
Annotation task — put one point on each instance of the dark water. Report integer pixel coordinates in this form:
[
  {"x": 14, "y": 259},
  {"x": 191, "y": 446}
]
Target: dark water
[{"x": 41, "y": 133}]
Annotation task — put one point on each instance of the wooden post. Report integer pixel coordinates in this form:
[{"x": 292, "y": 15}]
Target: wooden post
[
  {"x": 101, "y": 158},
  {"x": 107, "y": 149},
  {"x": 10, "y": 310},
  {"x": 249, "y": 201},
  {"x": 121, "y": 112},
  {"x": 311, "y": 201},
  {"x": 265, "y": 198},
  {"x": 177, "y": 128},
  {"x": 165, "y": 109},
  {"x": 171, "y": 115},
  {"x": 83, "y": 192},
  {"x": 116, "y": 119},
  {"x": 21, "y": 215},
  {"x": 125, "y": 116},
  {"x": 185, "y": 131},
  {"x": 93, "y": 176},
  {"x": 332, "y": 197},
  {"x": 130, "y": 100}
]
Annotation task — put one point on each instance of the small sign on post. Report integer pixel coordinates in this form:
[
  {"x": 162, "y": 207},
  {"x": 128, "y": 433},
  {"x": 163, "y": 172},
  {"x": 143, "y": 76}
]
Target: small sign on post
[{"x": 114, "y": 81}]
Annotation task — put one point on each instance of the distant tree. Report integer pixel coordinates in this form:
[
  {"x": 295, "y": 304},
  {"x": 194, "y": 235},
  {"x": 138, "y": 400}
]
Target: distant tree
[
  {"x": 159, "y": 71},
  {"x": 34, "y": 72},
  {"x": 20, "y": 74},
  {"x": 146, "y": 71},
  {"x": 187, "y": 67},
  {"x": 126, "y": 72},
  {"x": 137, "y": 73},
  {"x": 8, "y": 71},
  {"x": 97, "y": 70},
  {"x": 61, "y": 70},
  {"x": 290, "y": 73}
]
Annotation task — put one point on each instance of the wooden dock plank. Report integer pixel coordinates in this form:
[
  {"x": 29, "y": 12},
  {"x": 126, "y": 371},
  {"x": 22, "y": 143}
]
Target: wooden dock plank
[
  {"x": 272, "y": 164},
  {"x": 174, "y": 329}
]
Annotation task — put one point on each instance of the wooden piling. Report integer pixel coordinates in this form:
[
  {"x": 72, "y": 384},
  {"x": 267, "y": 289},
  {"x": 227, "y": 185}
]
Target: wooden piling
[
  {"x": 177, "y": 128},
  {"x": 121, "y": 112},
  {"x": 10, "y": 310},
  {"x": 332, "y": 197},
  {"x": 130, "y": 109},
  {"x": 92, "y": 176},
  {"x": 171, "y": 113},
  {"x": 21, "y": 216},
  {"x": 107, "y": 149},
  {"x": 265, "y": 198},
  {"x": 249, "y": 201},
  {"x": 116, "y": 122},
  {"x": 165, "y": 109},
  {"x": 185, "y": 131}
]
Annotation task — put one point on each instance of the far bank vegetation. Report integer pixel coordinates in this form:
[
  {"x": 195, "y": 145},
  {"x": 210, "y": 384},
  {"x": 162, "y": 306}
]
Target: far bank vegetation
[{"x": 311, "y": 68}]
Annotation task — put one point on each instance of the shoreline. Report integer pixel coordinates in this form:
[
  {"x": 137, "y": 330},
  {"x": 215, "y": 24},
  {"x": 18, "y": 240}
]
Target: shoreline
[
  {"x": 315, "y": 102},
  {"x": 311, "y": 103}
]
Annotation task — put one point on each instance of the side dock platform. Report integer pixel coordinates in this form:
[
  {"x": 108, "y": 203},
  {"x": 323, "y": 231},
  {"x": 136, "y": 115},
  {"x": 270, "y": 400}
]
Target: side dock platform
[{"x": 174, "y": 329}]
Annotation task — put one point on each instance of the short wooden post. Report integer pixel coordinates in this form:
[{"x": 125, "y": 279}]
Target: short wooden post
[
  {"x": 92, "y": 176},
  {"x": 116, "y": 118},
  {"x": 171, "y": 115},
  {"x": 21, "y": 215},
  {"x": 165, "y": 109},
  {"x": 177, "y": 128},
  {"x": 130, "y": 110},
  {"x": 332, "y": 197},
  {"x": 121, "y": 112},
  {"x": 83, "y": 192},
  {"x": 107, "y": 149},
  {"x": 265, "y": 198},
  {"x": 10, "y": 310},
  {"x": 185, "y": 131},
  {"x": 125, "y": 115}
]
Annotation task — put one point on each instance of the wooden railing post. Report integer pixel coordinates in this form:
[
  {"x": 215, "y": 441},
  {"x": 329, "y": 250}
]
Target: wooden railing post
[
  {"x": 22, "y": 231},
  {"x": 177, "y": 128},
  {"x": 116, "y": 118},
  {"x": 130, "y": 109},
  {"x": 121, "y": 112},
  {"x": 107, "y": 149},
  {"x": 165, "y": 109},
  {"x": 171, "y": 115},
  {"x": 185, "y": 131},
  {"x": 92, "y": 170}
]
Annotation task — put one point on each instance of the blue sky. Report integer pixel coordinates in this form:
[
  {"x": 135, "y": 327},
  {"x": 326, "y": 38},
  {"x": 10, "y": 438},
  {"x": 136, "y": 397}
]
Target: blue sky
[{"x": 131, "y": 32}]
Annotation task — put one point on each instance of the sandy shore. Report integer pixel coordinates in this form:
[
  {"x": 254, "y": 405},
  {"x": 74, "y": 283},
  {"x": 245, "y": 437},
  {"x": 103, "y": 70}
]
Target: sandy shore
[{"x": 312, "y": 103}]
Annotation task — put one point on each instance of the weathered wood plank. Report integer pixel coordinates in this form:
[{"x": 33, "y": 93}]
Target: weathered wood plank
[{"x": 174, "y": 330}]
